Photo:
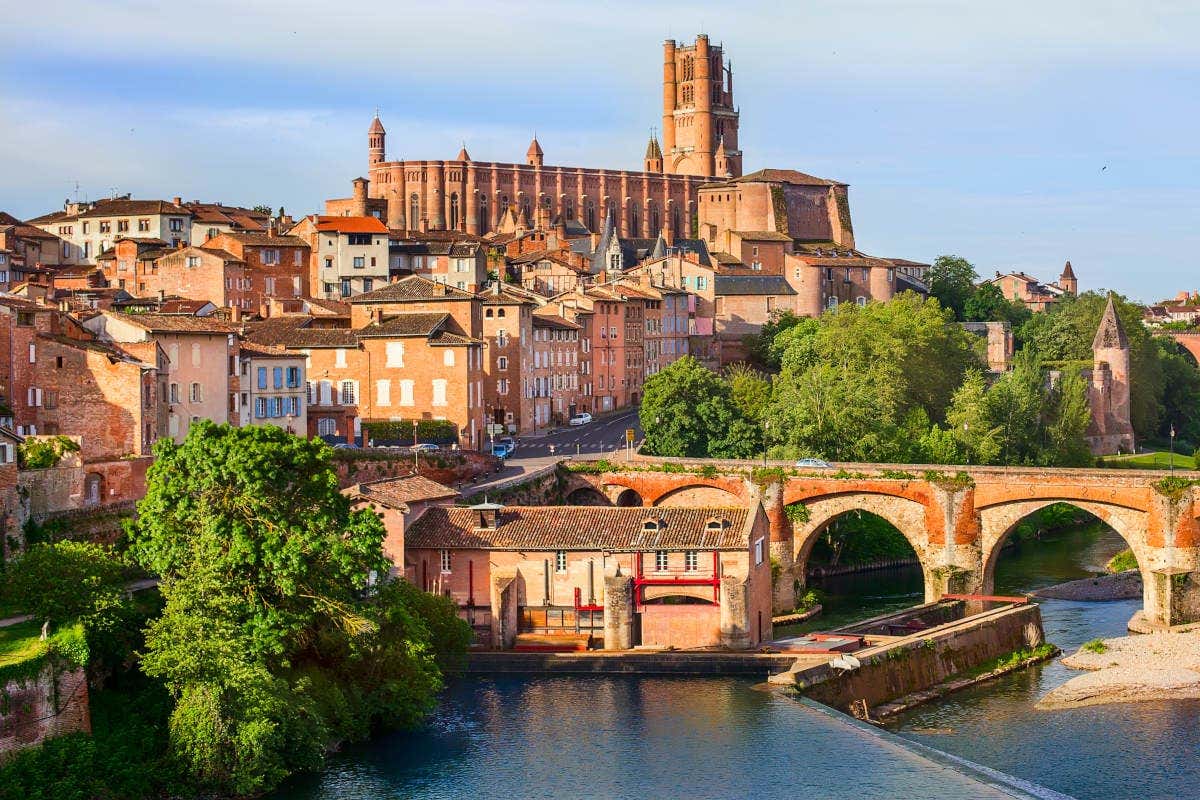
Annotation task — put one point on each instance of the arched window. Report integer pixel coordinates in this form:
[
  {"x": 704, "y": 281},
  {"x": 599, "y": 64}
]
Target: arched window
[
  {"x": 862, "y": 302},
  {"x": 633, "y": 221},
  {"x": 591, "y": 217},
  {"x": 327, "y": 426},
  {"x": 488, "y": 313},
  {"x": 569, "y": 210},
  {"x": 831, "y": 303},
  {"x": 688, "y": 68},
  {"x": 675, "y": 231},
  {"x": 655, "y": 225},
  {"x": 454, "y": 211},
  {"x": 414, "y": 212},
  {"x": 484, "y": 223}
]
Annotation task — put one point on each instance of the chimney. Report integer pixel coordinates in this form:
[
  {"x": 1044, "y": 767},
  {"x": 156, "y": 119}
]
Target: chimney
[
  {"x": 377, "y": 315},
  {"x": 162, "y": 295},
  {"x": 235, "y": 314},
  {"x": 360, "y": 197},
  {"x": 177, "y": 201}
]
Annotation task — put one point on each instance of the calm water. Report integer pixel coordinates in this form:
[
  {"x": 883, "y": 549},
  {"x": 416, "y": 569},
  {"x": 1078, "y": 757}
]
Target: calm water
[{"x": 716, "y": 738}]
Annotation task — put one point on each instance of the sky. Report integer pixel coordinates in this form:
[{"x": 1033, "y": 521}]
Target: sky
[{"x": 1018, "y": 134}]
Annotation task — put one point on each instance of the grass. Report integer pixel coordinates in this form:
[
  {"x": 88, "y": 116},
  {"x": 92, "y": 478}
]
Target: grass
[
  {"x": 1156, "y": 460},
  {"x": 20, "y": 643},
  {"x": 1122, "y": 562},
  {"x": 1096, "y": 646}
]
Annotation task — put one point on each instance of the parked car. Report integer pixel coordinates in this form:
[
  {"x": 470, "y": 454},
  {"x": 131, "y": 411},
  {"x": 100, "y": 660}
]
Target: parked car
[
  {"x": 501, "y": 450},
  {"x": 424, "y": 447},
  {"x": 814, "y": 463},
  {"x": 510, "y": 442},
  {"x": 582, "y": 418},
  {"x": 345, "y": 446}
]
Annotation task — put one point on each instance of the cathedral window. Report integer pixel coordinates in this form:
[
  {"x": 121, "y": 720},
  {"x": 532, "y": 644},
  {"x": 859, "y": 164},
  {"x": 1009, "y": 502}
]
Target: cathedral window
[
  {"x": 414, "y": 212},
  {"x": 453, "y": 210},
  {"x": 688, "y": 69}
]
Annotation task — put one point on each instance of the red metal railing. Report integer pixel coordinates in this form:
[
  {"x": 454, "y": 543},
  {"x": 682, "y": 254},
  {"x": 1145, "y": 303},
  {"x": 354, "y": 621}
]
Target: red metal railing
[{"x": 640, "y": 581}]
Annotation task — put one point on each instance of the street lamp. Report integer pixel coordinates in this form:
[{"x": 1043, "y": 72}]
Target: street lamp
[
  {"x": 416, "y": 451},
  {"x": 1171, "y": 457}
]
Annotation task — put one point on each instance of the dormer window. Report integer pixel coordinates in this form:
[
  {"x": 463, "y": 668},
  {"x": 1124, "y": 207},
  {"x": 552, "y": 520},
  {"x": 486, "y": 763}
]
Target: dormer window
[
  {"x": 650, "y": 525},
  {"x": 715, "y": 525}
]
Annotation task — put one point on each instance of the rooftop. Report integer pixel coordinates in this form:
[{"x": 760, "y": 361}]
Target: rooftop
[{"x": 400, "y": 492}]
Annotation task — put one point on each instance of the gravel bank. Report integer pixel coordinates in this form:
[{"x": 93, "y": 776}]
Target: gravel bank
[
  {"x": 1121, "y": 586},
  {"x": 1155, "y": 666}
]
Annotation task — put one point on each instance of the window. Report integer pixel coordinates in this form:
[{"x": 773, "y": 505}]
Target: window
[
  {"x": 277, "y": 377},
  {"x": 293, "y": 406},
  {"x": 368, "y": 284},
  {"x": 832, "y": 302},
  {"x": 327, "y": 426},
  {"x": 34, "y": 396},
  {"x": 383, "y": 392},
  {"x": 502, "y": 386},
  {"x": 439, "y": 392},
  {"x": 758, "y": 551},
  {"x": 262, "y": 377},
  {"x": 395, "y": 354},
  {"x": 862, "y": 302},
  {"x": 270, "y": 256},
  {"x": 105, "y": 226},
  {"x": 448, "y": 358},
  {"x": 502, "y": 362},
  {"x": 339, "y": 357},
  {"x": 359, "y": 262},
  {"x": 196, "y": 395},
  {"x": 260, "y": 407},
  {"x": 358, "y": 238},
  {"x": 347, "y": 393},
  {"x": 176, "y": 225},
  {"x": 502, "y": 338},
  {"x": 143, "y": 225},
  {"x": 406, "y": 393},
  {"x": 345, "y": 288},
  {"x": 661, "y": 561},
  {"x": 560, "y": 561},
  {"x": 445, "y": 559},
  {"x": 293, "y": 377},
  {"x": 32, "y": 353},
  {"x": 122, "y": 226},
  {"x": 173, "y": 393},
  {"x": 195, "y": 354}
]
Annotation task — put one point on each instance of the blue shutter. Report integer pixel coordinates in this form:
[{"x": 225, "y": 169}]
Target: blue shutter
[
  {"x": 262, "y": 377},
  {"x": 277, "y": 376}
]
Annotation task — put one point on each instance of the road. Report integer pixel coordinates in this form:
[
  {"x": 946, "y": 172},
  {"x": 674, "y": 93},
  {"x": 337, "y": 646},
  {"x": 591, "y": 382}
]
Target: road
[{"x": 604, "y": 435}]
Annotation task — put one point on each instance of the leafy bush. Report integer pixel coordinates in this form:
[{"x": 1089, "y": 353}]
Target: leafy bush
[
  {"x": 44, "y": 453},
  {"x": 433, "y": 431},
  {"x": 1096, "y": 646},
  {"x": 65, "y": 580},
  {"x": 1122, "y": 562}
]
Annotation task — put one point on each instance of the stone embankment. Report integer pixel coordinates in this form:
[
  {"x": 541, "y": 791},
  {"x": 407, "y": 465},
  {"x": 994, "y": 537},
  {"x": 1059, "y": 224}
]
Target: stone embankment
[
  {"x": 1153, "y": 666},
  {"x": 1121, "y": 586}
]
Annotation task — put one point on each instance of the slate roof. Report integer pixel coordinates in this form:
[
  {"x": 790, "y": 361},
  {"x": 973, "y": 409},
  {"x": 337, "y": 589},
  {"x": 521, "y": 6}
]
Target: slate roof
[
  {"x": 751, "y": 285},
  {"x": 582, "y": 528},
  {"x": 398, "y": 492}
]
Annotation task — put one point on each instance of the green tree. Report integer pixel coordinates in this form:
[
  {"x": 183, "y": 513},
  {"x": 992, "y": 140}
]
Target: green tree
[
  {"x": 951, "y": 279},
  {"x": 1181, "y": 392},
  {"x": 750, "y": 391},
  {"x": 1016, "y": 405},
  {"x": 970, "y": 423},
  {"x": 688, "y": 411},
  {"x": 66, "y": 581},
  {"x": 1067, "y": 423},
  {"x": 988, "y": 304},
  {"x": 761, "y": 346},
  {"x": 281, "y": 633}
]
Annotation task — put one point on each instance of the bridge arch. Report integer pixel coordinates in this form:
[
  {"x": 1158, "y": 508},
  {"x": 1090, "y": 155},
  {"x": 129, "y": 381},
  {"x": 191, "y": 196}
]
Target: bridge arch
[
  {"x": 699, "y": 496},
  {"x": 907, "y": 516},
  {"x": 625, "y": 496},
  {"x": 587, "y": 496},
  {"x": 998, "y": 522}
]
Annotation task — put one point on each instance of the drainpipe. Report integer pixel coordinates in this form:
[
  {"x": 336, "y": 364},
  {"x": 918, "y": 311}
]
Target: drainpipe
[{"x": 546, "y": 582}]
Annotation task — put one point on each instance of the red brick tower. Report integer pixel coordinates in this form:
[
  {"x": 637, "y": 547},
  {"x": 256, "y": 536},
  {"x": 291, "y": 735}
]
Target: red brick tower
[
  {"x": 376, "y": 137},
  {"x": 698, "y": 110}
]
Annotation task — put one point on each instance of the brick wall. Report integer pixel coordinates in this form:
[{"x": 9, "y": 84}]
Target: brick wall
[{"x": 43, "y": 709}]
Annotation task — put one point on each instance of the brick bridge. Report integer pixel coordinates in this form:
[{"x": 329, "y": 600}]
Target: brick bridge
[
  {"x": 955, "y": 518},
  {"x": 1190, "y": 340}
]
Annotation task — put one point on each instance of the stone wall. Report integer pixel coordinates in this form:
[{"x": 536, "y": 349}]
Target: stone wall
[
  {"x": 920, "y": 662},
  {"x": 38, "y": 710},
  {"x": 450, "y": 468}
]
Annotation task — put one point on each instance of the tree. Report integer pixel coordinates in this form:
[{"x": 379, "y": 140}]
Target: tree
[
  {"x": 688, "y": 411},
  {"x": 1067, "y": 422},
  {"x": 749, "y": 390},
  {"x": 66, "y": 581},
  {"x": 761, "y": 346},
  {"x": 1181, "y": 392},
  {"x": 951, "y": 279},
  {"x": 988, "y": 304},
  {"x": 970, "y": 423},
  {"x": 282, "y": 632}
]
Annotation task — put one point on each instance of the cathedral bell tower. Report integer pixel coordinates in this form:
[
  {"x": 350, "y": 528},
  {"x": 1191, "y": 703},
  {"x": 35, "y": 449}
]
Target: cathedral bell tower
[{"x": 698, "y": 110}]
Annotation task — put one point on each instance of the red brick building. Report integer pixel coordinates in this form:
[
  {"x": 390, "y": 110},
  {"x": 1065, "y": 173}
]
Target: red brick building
[{"x": 274, "y": 266}]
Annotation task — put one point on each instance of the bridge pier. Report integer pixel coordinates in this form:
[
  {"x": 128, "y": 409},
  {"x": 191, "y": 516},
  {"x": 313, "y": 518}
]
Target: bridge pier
[
  {"x": 783, "y": 579},
  {"x": 1175, "y": 599}
]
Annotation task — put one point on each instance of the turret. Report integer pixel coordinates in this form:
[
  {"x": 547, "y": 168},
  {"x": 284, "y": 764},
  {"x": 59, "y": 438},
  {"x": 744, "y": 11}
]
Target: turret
[
  {"x": 376, "y": 139},
  {"x": 359, "y": 207},
  {"x": 463, "y": 155},
  {"x": 1067, "y": 281},
  {"x": 721, "y": 161},
  {"x": 1111, "y": 348},
  {"x": 654, "y": 156},
  {"x": 533, "y": 156},
  {"x": 670, "y": 95}
]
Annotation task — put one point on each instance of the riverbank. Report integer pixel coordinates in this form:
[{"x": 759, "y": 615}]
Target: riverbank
[
  {"x": 1121, "y": 586},
  {"x": 1152, "y": 666}
]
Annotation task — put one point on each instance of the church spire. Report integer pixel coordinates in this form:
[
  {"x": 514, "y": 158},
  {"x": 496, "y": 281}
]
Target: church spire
[
  {"x": 654, "y": 156},
  {"x": 533, "y": 156}
]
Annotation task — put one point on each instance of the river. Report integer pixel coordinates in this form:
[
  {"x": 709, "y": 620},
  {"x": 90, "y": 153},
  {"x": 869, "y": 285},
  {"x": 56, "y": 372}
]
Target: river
[{"x": 716, "y": 738}]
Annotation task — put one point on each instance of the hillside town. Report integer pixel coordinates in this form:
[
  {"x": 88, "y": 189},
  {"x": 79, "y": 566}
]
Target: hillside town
[{"x": 517, "y": 418}]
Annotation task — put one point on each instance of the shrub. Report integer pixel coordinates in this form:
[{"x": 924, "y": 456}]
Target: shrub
[
  {"x": 1122, "y": 562},
  {"x": 1096, "y": 646},
  {"x": 433, "y": 431},
  {"x": 45, "y": 453}
]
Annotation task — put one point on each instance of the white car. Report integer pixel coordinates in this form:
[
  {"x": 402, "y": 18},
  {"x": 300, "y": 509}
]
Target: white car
[{"x": 582, "y": 418}]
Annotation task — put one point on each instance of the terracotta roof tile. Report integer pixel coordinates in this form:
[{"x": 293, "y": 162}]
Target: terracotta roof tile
[
  {"x": 404, "y": 325},
  {"x": 412, "y": 287},
  {"x": 350, "y": 224},
  {"x": 583, "y": 528},
  {"x": 175, "y": 323}
]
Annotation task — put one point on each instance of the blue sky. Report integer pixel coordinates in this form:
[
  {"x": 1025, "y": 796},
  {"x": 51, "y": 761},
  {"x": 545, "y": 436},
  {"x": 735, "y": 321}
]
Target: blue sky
[{"x": 1017, "y": 134}]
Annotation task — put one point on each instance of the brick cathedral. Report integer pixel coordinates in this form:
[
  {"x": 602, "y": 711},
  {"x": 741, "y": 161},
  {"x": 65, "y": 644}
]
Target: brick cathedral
[{"x": 700, "y": 144}]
